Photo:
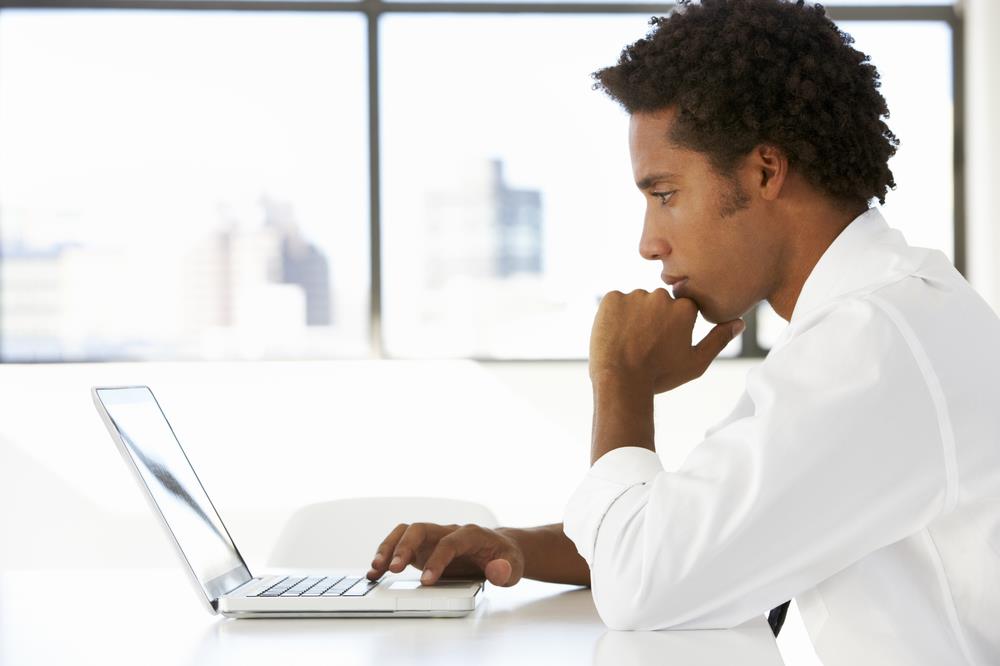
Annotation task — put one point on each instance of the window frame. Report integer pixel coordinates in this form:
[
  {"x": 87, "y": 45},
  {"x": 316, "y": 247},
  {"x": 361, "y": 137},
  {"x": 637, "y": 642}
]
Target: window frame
[{"x": 373, "y": 10}]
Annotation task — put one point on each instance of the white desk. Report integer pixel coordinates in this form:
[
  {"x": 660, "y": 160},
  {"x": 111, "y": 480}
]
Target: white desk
[{"x": 104, "y": 617}]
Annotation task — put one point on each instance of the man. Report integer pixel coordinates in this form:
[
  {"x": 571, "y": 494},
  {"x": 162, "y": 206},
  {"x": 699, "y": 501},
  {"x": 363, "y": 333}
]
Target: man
[{"x": 860, "y": 471}]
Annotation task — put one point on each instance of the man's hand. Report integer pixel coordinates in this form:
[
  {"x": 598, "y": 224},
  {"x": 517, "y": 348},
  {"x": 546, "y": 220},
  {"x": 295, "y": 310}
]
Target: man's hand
[
  {"x": 640, "y": 346},
  {"x": 451, "y": 550},
  {"x": 644, "y": 340}
]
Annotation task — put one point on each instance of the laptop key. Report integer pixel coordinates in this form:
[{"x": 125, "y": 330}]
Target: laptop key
[
  {"x": 301, "y": 586},
  {"x": 282, "y": 587},
  {"x": 276, "y": 585},
  {"x": 340, "y": 587},
  {"x": 288, "y": 583},
  {"x": 319, "y": 588},
  {"x": 363, "y": 587}
]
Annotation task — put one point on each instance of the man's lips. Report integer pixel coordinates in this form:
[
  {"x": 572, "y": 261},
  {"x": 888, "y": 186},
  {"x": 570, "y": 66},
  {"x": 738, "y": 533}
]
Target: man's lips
[{"x": 677, "y": 285}]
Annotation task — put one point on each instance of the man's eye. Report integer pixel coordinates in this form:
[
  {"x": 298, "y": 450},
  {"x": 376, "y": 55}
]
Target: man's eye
[{"x": 664, "y": 197}]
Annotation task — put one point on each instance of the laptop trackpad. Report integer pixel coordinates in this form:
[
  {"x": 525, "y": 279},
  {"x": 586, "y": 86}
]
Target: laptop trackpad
[{"x": 415, "y": 585}]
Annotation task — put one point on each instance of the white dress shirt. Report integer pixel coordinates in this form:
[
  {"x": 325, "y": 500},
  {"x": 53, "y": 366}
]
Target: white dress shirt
[{"x": 858, "y": 473}]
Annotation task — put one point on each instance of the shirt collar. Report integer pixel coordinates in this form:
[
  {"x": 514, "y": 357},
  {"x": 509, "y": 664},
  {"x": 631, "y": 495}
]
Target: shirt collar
[{"x": 867, "y": 252}]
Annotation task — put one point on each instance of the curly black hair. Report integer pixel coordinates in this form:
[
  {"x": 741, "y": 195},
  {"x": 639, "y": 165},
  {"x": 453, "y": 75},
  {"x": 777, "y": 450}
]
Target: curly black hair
[{"x": 746, "y": 72}]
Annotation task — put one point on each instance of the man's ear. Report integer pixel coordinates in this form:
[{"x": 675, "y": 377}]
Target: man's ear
[{"x": 772, "y": 165}]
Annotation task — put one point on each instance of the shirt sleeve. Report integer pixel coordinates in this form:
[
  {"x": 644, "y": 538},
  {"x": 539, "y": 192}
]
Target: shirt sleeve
[{"x": 840, "y": 455}]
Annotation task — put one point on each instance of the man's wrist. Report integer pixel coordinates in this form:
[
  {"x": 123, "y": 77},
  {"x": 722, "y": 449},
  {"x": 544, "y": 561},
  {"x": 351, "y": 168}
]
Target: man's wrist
[
  {"x": 615, "y": 381},
  {"x": 548, "y": 554},
  {"x": 623, "y": 413}
]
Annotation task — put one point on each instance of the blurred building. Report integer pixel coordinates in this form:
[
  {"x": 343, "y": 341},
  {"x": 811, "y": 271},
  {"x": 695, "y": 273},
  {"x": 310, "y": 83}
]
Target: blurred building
[
  {"x": 303, "y": 264},
  {"x": 260, "y": 274},
  {"x": 480, "y": 228}
]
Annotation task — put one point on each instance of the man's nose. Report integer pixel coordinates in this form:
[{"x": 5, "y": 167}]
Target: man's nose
[{"x": 652, "y": 246}]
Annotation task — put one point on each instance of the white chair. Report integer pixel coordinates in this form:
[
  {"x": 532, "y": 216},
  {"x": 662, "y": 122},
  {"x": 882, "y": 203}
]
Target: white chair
[{"x": 344, "y": 533}]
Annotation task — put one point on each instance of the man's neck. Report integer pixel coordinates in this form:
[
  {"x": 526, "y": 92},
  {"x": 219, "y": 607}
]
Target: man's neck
[{"x": 811, "y": 233}]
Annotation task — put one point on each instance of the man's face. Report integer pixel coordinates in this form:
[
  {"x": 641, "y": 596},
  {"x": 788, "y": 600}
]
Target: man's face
[{"x": 700, "y": 225}]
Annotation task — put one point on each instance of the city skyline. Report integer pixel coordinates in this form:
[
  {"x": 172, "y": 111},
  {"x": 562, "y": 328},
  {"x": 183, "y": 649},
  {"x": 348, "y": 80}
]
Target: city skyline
[{"x": 63, "y": 301}]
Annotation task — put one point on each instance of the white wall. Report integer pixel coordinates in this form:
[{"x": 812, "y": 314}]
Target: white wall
[{"x": 268, "y": 437}]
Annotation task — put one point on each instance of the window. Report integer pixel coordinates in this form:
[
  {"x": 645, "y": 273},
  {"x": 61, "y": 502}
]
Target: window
[
  {"x": 187, "y": 184},
  {"x": 182, "y": 185},
  {"x": 509, "y": 207}
]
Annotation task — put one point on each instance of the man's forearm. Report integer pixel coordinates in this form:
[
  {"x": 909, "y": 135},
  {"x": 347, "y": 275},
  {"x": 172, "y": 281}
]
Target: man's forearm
[
  {"x": 549, "y": 555},
  {"x": 623, "y": 415}
]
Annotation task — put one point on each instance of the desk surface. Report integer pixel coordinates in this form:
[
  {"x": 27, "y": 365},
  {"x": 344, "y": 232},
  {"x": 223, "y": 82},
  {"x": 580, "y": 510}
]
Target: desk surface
[{"x": 152, "y": 617}]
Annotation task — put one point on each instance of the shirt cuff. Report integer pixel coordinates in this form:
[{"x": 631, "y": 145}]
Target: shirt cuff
[{"x": 608, "y": 479}]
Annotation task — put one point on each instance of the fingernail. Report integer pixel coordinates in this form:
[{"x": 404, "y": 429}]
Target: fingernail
[
  {"x": 426, "y": 576},
  {"x": 378, "y": 560},
  {"x": 396, "y": 561},
  {"x": 739, "y": 327}
]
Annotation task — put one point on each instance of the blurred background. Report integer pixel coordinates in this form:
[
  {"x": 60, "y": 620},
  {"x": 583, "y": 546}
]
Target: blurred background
[{"x": 366, "y": 241}]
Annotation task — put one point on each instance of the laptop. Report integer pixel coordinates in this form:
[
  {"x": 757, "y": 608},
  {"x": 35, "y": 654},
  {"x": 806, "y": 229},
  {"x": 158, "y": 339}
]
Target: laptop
[{"x": 151, "y": 450}]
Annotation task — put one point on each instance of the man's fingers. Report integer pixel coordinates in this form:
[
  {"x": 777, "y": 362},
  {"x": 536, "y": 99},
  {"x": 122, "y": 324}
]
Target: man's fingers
[
  {"x": 447, "y": 550},
  {"x": 483, "y": 547},
  {"x": 385, "y": 549},
  {"x": 487, "y": 550},
  {"x": 717, "y": 339},
  {"x": 406, "y": 549},
  {"x": 500, "y": 572},
  {"x": 471, "y": 540}
]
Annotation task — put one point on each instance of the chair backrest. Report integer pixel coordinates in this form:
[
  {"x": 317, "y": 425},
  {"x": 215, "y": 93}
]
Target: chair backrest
[{"x": 344, "y": 533}]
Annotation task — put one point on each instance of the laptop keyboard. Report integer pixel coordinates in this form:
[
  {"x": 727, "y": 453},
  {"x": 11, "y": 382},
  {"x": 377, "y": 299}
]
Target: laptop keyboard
[{"x": 319, "y": 586}]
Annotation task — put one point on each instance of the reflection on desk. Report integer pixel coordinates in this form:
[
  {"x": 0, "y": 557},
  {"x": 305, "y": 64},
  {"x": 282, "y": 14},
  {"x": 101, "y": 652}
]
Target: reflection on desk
[{"x": 151, "y": 617}]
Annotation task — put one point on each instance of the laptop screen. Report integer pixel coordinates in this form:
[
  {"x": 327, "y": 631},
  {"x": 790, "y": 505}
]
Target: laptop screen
[{"x": 175, "y": 488}]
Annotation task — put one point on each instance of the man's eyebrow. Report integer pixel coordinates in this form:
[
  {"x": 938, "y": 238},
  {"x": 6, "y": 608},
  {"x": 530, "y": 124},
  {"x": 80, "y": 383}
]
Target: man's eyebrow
[{"x": 651, "y": 179}]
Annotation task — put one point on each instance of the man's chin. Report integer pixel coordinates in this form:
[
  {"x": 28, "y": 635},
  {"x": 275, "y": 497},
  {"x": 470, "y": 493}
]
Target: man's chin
[
  {"x": 708, "y": 311},
  {"x": 714, "y": 315},
  {"x": 717, "y": 313}
]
